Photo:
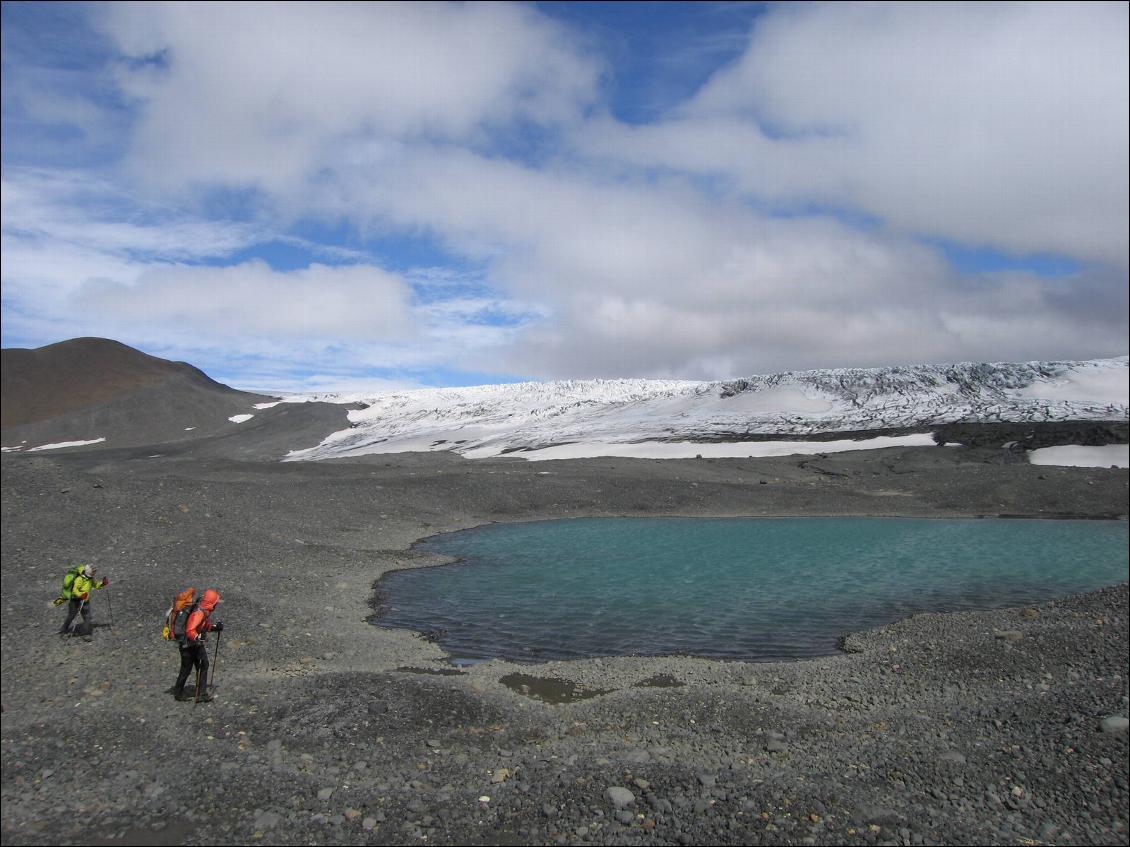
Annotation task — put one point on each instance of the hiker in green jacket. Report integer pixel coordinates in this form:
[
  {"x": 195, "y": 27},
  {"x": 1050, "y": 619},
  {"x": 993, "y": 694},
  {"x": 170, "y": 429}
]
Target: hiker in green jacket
[{"x": 78, "y": 599}]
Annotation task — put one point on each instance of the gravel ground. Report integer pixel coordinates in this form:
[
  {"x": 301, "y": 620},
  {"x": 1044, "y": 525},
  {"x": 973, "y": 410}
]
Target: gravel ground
[{"x": 1004, "y": 727}]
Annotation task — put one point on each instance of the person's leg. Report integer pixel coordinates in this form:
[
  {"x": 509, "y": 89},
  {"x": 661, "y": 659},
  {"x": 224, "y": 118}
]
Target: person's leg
[
  {"x": 202, "y": 669},
  {"x": 186, "y": 663},
  {"x": 73, "y": 606}
]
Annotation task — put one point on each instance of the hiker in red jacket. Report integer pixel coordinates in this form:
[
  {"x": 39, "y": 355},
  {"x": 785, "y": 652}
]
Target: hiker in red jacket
[{"x": 192, "y": 650}]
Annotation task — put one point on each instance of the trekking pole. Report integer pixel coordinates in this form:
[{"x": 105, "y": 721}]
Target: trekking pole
[
  {"x": 215, "y": 661},
  {"x": 110, "y": 607},
  {"x": 196, "y": 699},
  {"x": 76, "y": 619}
]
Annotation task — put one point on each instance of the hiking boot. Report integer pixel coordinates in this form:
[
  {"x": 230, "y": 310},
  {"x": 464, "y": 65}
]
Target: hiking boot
[{"x": 205, "y": 696}]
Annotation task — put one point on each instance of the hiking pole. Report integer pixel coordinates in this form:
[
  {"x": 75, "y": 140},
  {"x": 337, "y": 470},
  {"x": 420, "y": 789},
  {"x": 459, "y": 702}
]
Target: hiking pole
[
  {"x": 196, "y": 699},
  {"x": 76, "y": 619},
  {"x": 215, "y": 661},
  {"x": 110, "y": 607}
]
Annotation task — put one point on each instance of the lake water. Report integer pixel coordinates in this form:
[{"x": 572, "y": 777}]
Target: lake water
[{"x": 758, "y": 589}]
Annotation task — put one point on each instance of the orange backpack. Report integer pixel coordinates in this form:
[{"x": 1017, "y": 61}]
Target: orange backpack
[{"x": 183, "y": 603}]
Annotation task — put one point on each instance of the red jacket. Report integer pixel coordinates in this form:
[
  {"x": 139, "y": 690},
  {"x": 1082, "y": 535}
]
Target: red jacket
[{"x": 200, "y": 621}]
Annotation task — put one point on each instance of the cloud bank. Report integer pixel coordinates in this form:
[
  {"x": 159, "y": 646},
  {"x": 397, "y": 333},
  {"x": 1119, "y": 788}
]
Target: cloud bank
[{"x": 811, "y": 203}]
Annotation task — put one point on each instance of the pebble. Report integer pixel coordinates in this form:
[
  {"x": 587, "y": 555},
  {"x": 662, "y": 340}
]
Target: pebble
[
  {"x": 619, "y": 796},
  {"x": 878, "y": 815},
  {"x": 265, "y": 820},
  {"x": 1115, "y": 724}
]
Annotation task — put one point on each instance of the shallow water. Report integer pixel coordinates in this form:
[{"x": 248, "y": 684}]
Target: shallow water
[{"x": 758, "y": 589}]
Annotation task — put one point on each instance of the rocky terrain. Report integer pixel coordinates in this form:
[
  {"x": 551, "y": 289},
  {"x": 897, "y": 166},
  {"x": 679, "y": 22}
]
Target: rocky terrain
[{"x": 997, "y": 727}]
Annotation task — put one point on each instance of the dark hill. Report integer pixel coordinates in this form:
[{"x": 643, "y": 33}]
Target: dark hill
[
  {"x": 62, "y": 378},
  {"x": 90, "y": 388},
  {"x": 94, "y": 388}
]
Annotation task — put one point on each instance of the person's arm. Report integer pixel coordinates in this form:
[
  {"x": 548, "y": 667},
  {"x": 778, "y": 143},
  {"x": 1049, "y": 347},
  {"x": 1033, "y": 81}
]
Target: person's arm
[{"x": 192, "y": 628}]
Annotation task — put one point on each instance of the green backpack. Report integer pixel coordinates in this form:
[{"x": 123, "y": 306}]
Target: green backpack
[{"x": 69, "y": 580}]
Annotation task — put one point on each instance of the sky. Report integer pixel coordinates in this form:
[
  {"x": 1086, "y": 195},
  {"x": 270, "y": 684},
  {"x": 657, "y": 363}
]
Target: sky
[{"x": 378, "y": 196}]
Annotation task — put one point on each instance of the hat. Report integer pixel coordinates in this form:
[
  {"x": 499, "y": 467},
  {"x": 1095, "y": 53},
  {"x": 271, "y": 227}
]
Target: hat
[{"x": 88, "y": 570}]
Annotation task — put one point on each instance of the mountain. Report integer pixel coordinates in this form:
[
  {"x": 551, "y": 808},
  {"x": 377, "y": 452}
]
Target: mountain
[
  {"x": 90, "y": 388},
  {"x": 93, "y": 390},
  {"x": 643, "y": 417},
  {"x": 62, "y": 378}
]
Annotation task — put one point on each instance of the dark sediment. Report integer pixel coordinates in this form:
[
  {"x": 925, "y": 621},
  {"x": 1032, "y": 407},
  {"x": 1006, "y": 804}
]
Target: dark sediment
[
  {"x": 1019, "y": 437},
  {"x": 962, "y": 728}
]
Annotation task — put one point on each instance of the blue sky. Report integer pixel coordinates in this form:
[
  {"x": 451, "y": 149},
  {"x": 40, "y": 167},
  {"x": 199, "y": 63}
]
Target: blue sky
[{"x": 372, "y": 196}]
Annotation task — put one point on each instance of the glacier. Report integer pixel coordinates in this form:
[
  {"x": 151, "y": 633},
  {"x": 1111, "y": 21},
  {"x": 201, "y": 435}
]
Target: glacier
[{"x": 598, "y": 417}]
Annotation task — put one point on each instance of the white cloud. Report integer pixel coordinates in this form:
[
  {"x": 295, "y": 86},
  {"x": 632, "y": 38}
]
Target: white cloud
[
  {"x": 345, "y": 302},
  {"x": 655, "y": 280},
  {"x": 996, "y": 124},
  {"x": 63, "y": 231},
  {"x": 637, "y": 251},
  {"x": 91, "y": 214},
  {"x": 263, "y": 96}
]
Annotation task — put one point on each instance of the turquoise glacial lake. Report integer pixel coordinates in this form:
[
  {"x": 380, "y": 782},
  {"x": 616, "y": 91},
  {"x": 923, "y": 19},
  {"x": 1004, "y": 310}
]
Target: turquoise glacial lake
[{"x": 758, "y": 589}]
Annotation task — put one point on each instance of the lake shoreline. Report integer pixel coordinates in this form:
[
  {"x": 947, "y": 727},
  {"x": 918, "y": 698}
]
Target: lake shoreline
[{"x": 584, "y": 588}]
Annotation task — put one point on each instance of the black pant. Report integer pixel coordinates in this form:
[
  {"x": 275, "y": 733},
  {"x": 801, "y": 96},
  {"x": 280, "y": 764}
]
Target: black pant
[
  {"x": 192, "y": 653},
  {"x": 73, "y": 607}
]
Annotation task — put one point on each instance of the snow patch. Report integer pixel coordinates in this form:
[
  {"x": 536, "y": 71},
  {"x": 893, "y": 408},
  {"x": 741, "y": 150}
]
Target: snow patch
[
  {"x": 59, "y": 444},
  {"x": 240, "y": 418},
  {"x": 1075, "y": 456},
  {"x": 731, "y": 449},
  {"x": 1094, "y": 382},
  {"x": 266, "y": 405}
]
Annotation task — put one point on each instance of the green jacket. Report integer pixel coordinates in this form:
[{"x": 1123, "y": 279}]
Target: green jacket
[{"x": 81, "y": 587}]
